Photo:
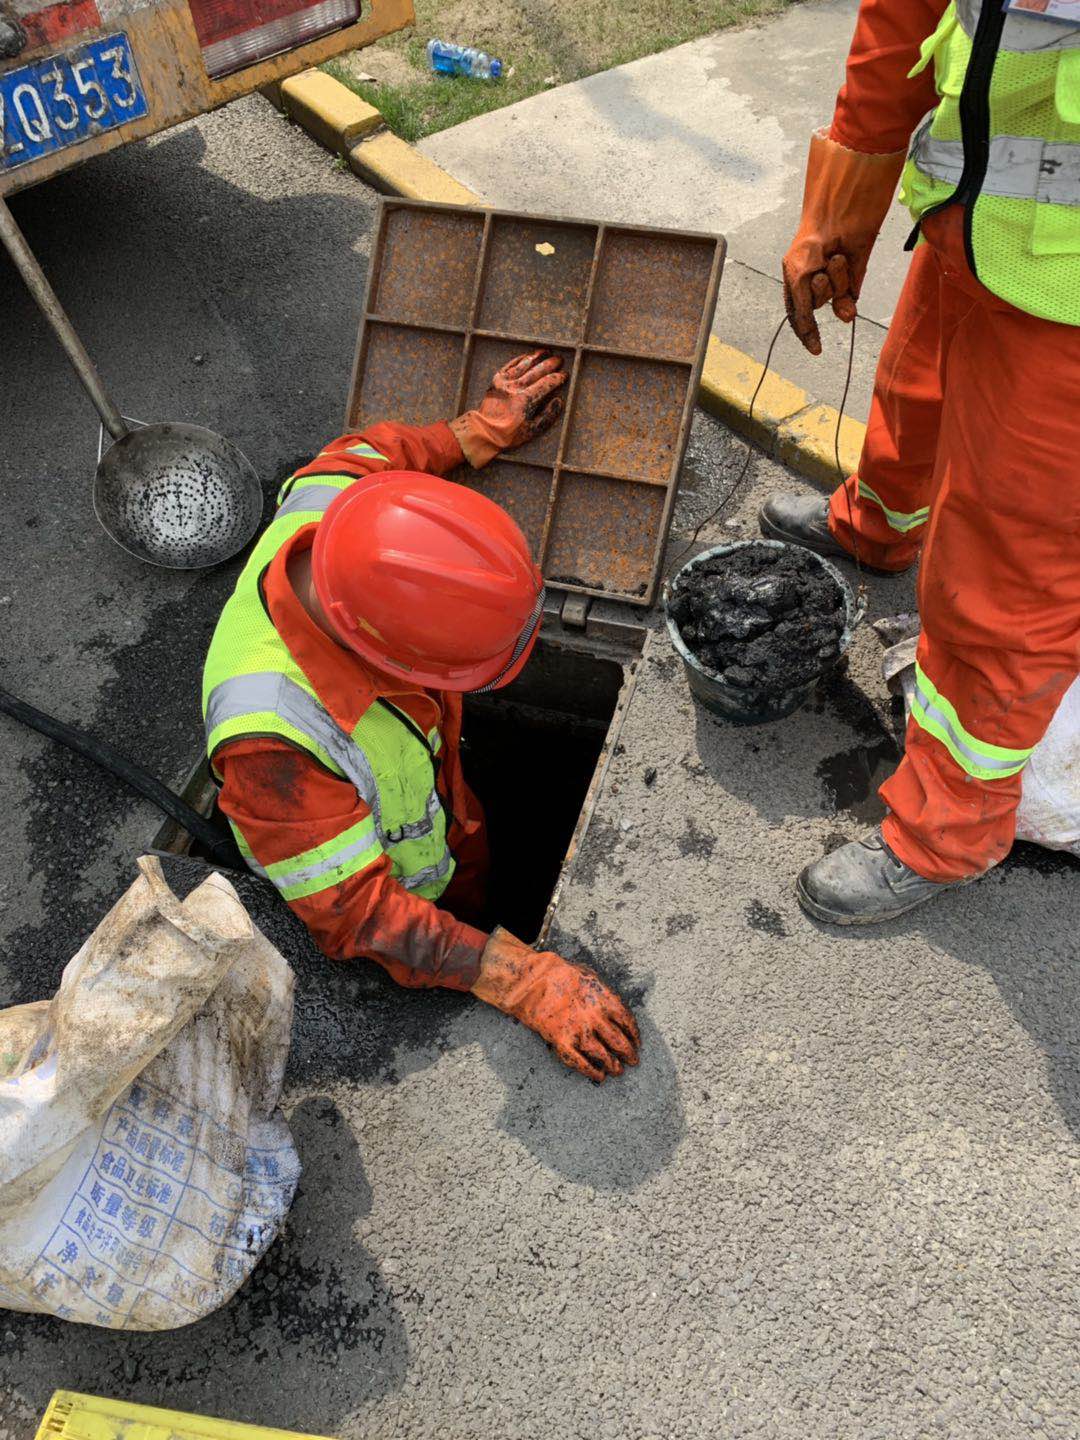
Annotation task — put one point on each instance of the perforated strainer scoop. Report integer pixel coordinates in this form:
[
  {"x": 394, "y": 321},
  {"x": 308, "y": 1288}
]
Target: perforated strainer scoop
[
  {"x": 171, "y": 494},
  {"x": 177, "y": 495}
]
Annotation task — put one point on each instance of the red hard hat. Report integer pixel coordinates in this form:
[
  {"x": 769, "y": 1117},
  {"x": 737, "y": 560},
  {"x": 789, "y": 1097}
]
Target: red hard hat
[{"x": 429, "y": 580}]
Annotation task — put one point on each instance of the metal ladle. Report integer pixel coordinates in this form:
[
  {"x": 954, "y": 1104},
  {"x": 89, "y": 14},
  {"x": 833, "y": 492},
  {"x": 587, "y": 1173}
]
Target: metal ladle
[{"x": 171, "y": 494}]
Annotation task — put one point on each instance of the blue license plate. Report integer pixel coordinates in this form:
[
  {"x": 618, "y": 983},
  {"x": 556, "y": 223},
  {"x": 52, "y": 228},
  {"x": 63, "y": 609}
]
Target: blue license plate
[{"x": 67, "y": 99}]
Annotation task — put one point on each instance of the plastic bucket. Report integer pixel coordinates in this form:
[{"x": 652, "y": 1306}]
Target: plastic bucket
[{"x": 741, "y": 706}]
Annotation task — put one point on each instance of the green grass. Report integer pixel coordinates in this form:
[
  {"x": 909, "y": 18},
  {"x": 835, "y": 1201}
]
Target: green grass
[{"x": 544, "y": 41}]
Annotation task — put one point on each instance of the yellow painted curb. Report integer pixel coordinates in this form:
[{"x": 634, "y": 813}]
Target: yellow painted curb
[
  {"x": 728, "y": 381},
  {"x": 807, "y": 443},
  {"x": 328, "y": 110},
  {"x": 786, "y": 422},
  {"x": 394, "y": 168}
]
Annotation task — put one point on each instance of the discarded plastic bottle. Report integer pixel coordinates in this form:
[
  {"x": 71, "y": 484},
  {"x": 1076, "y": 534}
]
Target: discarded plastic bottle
[{"x": 446, "y": 58}]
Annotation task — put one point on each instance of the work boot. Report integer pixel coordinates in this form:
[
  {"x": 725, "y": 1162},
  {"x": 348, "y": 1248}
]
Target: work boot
[
  {"x": 864, "y": 883},
  {"x": 804, "y": 520},
  {"x": 800, "y": 520}
]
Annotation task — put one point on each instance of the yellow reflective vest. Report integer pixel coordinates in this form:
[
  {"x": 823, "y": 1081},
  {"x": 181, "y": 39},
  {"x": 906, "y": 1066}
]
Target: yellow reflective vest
[{"x": 1005, "y": 142}]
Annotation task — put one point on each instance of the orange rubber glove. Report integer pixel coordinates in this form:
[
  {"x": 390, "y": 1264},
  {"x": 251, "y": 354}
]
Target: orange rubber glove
[
  {"x": 519, "y": 406},
  {"x": 845, "y": 201},
  {"x": 568, "y": 1005}
]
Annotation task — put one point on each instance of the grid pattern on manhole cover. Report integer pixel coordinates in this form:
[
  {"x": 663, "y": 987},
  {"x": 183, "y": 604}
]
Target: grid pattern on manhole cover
[{"x": 454, "y": 292}]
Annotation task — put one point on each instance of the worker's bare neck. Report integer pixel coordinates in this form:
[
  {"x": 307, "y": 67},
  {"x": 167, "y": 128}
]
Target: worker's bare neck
[{"x": 298, "y": 569}]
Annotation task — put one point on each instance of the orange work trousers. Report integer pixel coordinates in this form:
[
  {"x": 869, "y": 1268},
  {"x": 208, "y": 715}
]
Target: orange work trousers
[{"x": 972, "y": 456}]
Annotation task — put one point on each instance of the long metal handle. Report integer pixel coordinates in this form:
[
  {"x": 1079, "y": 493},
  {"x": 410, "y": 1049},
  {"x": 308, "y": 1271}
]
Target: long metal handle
[{"x": 14, "y": 242}]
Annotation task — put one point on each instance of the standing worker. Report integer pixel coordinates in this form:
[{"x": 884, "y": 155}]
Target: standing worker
[
  {"x": 973, "y": 443},
  {"x": 377, "y": 596}
]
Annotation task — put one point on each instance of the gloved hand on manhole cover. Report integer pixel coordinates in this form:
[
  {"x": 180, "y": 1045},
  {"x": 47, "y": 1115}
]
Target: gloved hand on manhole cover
[{"x": 519, "y": 405}]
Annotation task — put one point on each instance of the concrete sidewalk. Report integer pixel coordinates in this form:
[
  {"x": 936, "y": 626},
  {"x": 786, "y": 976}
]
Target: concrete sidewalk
[{"x": 709, "y": 136}]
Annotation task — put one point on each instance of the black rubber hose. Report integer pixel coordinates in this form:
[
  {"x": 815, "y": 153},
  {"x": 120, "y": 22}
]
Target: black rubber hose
[{"x": 219, "y": 843}]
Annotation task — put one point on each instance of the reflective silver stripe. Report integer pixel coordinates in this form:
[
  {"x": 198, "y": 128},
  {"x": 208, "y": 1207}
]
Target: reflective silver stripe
[
  {"x": 425, "y": 877},
  {"x": 938, "y": 717},
  {"x": 245, "y": 851},
  {"x": 1022, "y": 33},
  {"x": 418, "y": 828},
  {"x": 303, "y": 873},
  {"x": 269, "y": 691},
  {"x": 316, "y": 498},
  {"x": 940, "y": 159},
  {"x": 253, "y": 864},
  {"x": 241, "y": 695},
  {"x": 1019, "y": 168}
]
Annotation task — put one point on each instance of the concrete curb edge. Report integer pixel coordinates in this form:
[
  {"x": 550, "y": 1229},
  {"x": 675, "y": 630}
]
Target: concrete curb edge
[{"x": 786, "y": 423}]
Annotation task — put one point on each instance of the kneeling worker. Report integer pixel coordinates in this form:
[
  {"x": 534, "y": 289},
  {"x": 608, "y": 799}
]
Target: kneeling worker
[{"x": 377, "y": 596}]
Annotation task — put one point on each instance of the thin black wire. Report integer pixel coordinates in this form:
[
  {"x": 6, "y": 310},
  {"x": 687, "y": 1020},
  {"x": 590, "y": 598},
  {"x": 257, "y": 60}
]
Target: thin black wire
[
  {"x": 750, "y": 452},
  {"x": 840, "y": 469}
]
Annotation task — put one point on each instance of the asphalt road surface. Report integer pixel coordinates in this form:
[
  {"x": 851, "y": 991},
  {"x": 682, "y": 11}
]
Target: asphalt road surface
[{"x": 838, "y": 1199}]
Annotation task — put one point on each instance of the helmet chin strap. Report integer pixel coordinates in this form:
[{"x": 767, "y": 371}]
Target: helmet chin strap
[{"x": 522, "y": 640}]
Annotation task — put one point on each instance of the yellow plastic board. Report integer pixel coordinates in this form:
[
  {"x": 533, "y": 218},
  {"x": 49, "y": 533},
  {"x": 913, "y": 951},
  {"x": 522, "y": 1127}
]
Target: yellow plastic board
[{"x": 89, "y": 1417}]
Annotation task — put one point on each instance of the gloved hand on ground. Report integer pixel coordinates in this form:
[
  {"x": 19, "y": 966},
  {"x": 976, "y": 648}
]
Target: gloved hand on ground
[
  {"x": 519, "y": 405},
  {"x": 846, "y": 199},
  {"x": 569, "y": 1006}
]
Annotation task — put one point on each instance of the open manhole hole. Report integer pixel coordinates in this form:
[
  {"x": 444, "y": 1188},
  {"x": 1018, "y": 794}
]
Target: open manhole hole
[
  {"x": 530, "y": 753},
  {"x": 534, "y": 753}
]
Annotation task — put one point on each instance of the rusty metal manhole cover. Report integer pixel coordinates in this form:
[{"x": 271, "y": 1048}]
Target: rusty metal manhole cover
[{"x": 454, "y": 292}]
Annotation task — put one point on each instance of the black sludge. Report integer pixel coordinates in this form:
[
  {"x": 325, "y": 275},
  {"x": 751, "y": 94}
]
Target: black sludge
[{"x": 765, "y": 620}]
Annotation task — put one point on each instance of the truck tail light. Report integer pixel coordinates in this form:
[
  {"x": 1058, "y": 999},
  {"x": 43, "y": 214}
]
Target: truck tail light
[{"x": 235, "y": 33}]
